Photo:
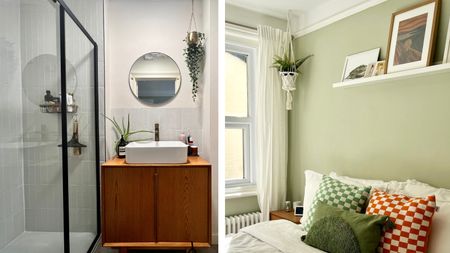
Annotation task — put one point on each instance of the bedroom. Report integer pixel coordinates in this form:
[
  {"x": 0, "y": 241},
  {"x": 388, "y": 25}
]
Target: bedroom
[{"x": 391, "y": 127}]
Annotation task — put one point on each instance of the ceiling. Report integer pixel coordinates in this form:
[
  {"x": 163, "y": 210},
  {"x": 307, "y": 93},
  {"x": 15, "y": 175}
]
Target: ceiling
[{"x": 306, "y": 13}]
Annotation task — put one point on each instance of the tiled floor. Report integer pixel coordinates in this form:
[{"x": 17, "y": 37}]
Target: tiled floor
[
  {"x": 213, "y": 249},
  {"x": 48, "y": 242}
]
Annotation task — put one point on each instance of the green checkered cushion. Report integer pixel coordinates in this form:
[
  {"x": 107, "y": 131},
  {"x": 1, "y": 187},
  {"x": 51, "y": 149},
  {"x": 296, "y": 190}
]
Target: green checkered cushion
[{"x": 335, "y": 193}]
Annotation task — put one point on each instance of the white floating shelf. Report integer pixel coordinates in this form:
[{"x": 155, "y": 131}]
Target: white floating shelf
[{"x": 432, "y": 70}]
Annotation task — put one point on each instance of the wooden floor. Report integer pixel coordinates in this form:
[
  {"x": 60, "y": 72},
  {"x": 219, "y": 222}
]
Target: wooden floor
[{"x": 213, "y": 249}]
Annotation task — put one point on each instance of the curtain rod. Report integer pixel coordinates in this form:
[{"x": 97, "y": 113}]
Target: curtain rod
[{"x": 245, "y": 26}]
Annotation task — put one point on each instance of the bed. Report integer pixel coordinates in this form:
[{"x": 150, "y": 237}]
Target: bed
[
  {"x": 269, "y": 237},
  {"x": 285, "y": 236}
]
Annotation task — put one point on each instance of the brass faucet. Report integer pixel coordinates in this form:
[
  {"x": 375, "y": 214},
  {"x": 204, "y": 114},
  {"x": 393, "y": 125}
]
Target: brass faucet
[{"x": 156, "y": 132}]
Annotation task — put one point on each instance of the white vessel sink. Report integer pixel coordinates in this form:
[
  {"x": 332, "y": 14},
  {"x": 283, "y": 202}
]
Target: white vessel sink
[{"x": 156, "y": 152}]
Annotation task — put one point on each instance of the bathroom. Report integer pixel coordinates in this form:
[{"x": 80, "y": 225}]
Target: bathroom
[{"x": 50, "y": 183}]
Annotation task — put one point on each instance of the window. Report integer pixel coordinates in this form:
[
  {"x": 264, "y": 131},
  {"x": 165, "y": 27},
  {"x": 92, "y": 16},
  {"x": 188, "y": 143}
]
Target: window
[{"x": 239, "y": 116}]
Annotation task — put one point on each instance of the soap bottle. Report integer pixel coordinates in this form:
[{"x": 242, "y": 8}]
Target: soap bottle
[
  {"x": 121, "y": 147},
  {"x": 190, "y": 143}
]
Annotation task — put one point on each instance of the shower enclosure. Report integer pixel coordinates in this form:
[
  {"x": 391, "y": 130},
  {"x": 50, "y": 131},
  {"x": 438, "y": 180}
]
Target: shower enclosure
[{"x": 49, "y": 130}]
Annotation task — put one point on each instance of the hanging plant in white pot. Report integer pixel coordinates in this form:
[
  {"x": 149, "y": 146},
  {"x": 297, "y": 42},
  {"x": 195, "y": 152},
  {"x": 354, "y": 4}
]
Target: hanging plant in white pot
[
  {"x": 288, "y": 68},
  {"x": 194, "y": 53}
]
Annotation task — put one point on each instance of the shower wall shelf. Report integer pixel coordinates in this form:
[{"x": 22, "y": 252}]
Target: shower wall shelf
[
  {"x": 431, "y": 70},
  {"x": 56, "y": 108}
]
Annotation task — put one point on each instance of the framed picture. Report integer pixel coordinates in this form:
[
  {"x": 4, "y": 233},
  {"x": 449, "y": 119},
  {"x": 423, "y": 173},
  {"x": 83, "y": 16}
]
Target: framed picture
[
  {"x": 356, "y": 65},
  {"x": 370, "y": 70},
  {"x": 379, "y": 68},
  {"x": 446, "y": 58},
  {"x": 412, "y": 36}
]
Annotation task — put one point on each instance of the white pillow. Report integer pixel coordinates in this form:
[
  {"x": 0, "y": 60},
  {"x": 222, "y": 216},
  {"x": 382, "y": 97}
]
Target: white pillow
[
  {"x": 440, "y": 230},
  {"x": 440, "y": 226},
  {"x": 395, "y": 187},
  {"x": 312, "y": 183},
  {"x": 378, "y": 184}
]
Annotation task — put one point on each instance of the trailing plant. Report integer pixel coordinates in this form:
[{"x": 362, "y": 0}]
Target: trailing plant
[
  {"x": 124, "y": 130},
  {"x": 285, "y": 64},
  {"x": 194, "y": 54}
]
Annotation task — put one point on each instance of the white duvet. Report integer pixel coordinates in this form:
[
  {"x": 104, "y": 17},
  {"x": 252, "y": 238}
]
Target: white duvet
[{"x": 270, "y": 237}]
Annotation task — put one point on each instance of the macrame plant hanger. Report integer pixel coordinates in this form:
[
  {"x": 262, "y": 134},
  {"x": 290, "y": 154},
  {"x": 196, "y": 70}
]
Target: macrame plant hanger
[
  {"x": 193, "y": 36},
  {"x": 289, "y": 76}
]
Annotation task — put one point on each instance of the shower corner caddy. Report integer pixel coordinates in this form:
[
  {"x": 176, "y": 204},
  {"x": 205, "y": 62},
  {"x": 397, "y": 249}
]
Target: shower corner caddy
[{"x": 56, "y": 108}]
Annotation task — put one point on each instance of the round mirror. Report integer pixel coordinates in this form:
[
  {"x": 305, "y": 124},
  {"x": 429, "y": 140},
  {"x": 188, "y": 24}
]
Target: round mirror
[{"x": 155, "y": 78}]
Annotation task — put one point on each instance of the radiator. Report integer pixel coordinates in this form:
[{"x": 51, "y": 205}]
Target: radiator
[{"x": 234, "y": 223}]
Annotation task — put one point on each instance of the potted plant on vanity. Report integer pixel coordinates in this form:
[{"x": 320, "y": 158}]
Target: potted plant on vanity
[{"x": 125, "y": 133}]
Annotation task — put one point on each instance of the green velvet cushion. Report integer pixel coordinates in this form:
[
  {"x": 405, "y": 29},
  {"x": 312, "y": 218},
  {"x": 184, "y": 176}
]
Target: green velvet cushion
[
  {"x": 333, "y": 234},
  {"x": 327, "y": 229}
]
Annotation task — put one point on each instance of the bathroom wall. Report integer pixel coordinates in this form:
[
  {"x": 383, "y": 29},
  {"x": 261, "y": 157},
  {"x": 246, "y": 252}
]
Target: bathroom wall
[
  {"x": 137, "y": 27},
  {"x": 12, "y": 215},
  {"x": 211, "y": 121},
  {"x": 134, "y": 29},
  {"x": 41, "y": 131},
  {"x": 395, "y": 130}
]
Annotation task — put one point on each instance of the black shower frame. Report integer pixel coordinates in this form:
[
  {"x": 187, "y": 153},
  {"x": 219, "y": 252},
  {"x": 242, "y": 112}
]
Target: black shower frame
[{"x": 63, "y": 10}]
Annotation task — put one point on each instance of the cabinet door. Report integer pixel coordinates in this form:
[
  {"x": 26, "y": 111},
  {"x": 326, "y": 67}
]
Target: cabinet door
[
  {"x": 183, "y": 204},
  {"x": 128, "y": 204}
]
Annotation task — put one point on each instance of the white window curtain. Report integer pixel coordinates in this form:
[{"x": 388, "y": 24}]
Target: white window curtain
[{"x": 271, "y": 122}]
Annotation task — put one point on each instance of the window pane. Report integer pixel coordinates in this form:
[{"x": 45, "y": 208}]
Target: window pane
[
  {"x": 236, "y": 84},
  {"x": 234, "y": 153}
]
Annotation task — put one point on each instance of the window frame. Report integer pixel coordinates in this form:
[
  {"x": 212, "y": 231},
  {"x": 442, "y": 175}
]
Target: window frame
[{"x": 247, "y": 124}]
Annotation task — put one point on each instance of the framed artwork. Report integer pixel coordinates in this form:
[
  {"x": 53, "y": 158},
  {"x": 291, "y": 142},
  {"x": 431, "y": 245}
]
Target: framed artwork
[
  {"x": 379, "y": 68},
  {"x": 412, "y": 36},
  {"x": 357, "y": 65},
  {"x": 446, "y": 58}
]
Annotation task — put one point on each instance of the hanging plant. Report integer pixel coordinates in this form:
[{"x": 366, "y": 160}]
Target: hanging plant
[
  {"x": 194, "y": 53},
  {"x": 288, "y": 68},
  {"x": 285, "y": 64}
]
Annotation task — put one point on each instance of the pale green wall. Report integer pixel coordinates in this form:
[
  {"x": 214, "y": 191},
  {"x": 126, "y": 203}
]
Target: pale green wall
[
  {"x": 396, "y": 130},
  {"x": 241, "y": 205},
  {"x": 250, "y": 18}
]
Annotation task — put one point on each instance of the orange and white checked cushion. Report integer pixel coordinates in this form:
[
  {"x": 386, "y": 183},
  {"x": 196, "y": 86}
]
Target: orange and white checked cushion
[{"x": 412, "y": 219}]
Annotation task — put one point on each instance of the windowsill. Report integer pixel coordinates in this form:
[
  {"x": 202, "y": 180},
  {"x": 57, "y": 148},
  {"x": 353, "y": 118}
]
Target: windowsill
[{"x": 234, "y": 192}]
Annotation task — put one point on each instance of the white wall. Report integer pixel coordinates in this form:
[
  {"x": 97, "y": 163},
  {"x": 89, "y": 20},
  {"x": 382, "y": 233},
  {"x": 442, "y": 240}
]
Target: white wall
[
  {"x": 136, "y": 27},
  {"x": 210, "y": 103}
]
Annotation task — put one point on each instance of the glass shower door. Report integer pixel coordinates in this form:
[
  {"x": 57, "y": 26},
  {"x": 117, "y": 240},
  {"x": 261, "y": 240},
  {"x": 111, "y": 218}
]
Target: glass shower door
[{"x": 82, "y": 140}]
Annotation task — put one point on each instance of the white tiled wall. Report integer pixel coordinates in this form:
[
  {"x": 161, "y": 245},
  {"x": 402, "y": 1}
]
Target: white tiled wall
[
  {"x": 172, "y": 122},
  {"x": 11, "y": 162},
  {"x": 43, "y": 170}
]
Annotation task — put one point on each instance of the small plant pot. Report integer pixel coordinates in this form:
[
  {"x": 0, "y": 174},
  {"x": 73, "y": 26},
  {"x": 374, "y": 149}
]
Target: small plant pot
[
  {"x": 288, "y": 79},
  {"x": 192, "y": 38}
]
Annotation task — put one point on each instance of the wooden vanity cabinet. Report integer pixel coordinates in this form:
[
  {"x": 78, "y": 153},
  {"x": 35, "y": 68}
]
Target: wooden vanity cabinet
[
  {"x": 156, "y": 205},
  {"x": 128, "y": 205},
  {"x": 183, "y": 204}
]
